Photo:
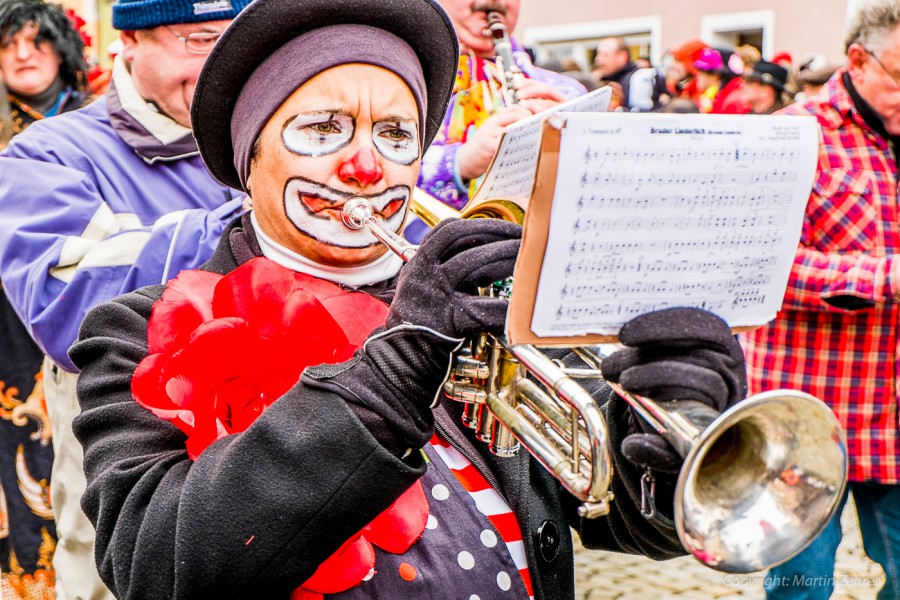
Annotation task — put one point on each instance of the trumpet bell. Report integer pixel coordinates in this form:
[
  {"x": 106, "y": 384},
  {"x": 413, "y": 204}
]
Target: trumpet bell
[
  {"x": 498, "y": 208},
  {"x": 761, "y": 482},
  {"x": 432, "y": 211}
]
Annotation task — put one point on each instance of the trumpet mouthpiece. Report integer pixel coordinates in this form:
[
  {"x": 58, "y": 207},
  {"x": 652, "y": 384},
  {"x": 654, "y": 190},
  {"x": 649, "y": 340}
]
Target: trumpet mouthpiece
[{"x": 355, "y": 212}]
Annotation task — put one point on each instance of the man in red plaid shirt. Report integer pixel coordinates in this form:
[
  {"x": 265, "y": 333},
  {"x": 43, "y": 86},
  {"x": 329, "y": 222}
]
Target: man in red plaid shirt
[{"x": 836, "y": 335}]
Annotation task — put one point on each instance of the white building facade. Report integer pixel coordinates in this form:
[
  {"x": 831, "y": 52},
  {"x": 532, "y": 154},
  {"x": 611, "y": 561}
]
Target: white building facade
[{"x": 564, "y": 28}]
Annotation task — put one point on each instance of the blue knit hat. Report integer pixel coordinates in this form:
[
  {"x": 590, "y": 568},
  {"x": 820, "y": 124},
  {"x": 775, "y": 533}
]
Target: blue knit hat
[{"x": 131, "y": 15}]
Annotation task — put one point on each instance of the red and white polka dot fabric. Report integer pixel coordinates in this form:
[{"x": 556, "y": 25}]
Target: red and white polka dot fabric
[
  {"x": 491, "y": 505},
  {"x": 471, "y": 549}
]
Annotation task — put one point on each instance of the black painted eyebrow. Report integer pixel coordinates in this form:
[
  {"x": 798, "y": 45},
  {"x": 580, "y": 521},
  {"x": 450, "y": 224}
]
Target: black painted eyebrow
[
  {"x": 397, "y": 118},
  {"x": 328, "y": 112}
]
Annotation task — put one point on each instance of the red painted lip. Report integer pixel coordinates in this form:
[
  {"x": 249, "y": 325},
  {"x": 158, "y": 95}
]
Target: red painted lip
[
  {"x": 318, "y": 205},
  {"x": 391, "y": 208}
]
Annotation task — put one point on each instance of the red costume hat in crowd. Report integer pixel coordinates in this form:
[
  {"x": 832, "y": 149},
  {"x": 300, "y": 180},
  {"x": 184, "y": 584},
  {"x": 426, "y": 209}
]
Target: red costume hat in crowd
[{"x": 688, "y": 52}]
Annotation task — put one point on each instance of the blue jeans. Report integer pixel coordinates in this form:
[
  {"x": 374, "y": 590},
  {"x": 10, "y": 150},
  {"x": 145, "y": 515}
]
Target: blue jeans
[{"x": 810, "y": 574}]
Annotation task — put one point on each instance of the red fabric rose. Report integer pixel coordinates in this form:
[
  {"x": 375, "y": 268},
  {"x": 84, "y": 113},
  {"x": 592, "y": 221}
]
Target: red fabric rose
[{"x": 224, "y": 348}]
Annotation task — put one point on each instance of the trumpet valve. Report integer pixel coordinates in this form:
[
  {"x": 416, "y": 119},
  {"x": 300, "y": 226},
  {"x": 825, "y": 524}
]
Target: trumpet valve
[
  {"x": 486, "y": 426},
  {"x": 470, "y": 368},
  {"x": 469, "y": 393},
  {"x": 471, "y": 415},
  {"x": 501, "y": 441}
]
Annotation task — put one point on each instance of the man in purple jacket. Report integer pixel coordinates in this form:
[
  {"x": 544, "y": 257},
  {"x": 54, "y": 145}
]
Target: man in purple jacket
[{"x": 102, "y": 201}]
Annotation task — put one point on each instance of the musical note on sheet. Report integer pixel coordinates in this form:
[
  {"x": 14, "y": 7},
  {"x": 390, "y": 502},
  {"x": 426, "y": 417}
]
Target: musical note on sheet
[
  {"x": 745, "y": 155},
  {"x": 654, "y": 211}
]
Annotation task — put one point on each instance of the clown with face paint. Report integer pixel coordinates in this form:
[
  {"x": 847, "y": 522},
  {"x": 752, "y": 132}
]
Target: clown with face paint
[
  {"x": 274, "y": 418},
  {"x": 370, "y": 150}
]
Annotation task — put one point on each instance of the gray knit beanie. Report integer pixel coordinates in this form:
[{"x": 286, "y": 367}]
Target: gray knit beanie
[{"x": 307, "y": 55}]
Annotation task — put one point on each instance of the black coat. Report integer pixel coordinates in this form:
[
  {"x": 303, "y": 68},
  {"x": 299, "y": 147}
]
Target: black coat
[{"x": 257, "y": 512}]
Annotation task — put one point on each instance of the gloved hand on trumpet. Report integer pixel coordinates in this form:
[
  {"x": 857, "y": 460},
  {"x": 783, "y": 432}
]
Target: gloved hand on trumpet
[
  {"x": 435, "y": 307},
  {"x": 698, "y": 460},
  {"x": 669, "y": 355}
]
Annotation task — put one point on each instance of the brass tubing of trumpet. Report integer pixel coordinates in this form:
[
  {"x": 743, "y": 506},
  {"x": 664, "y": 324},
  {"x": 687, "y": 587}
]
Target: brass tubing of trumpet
[
  {"x": 575, "y": 431},
  {"x": 551, "y": 376},
  {"x": 577, "y": 373},
  {"x": 549, "y": 421},
  {"x": 431, "y": 210},
  {"x": 557, "y": 416},
  {"x": 551, "y": 433},
  {"x": 532, "y": 438}
]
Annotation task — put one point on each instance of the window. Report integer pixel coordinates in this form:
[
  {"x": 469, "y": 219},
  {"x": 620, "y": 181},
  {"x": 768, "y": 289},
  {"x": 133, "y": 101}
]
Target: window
[
  {"x": 730, "y": 30},
  {"x": 579, "y": 40}
]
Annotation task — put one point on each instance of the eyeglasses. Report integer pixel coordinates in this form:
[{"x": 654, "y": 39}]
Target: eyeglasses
[
  {"x": 199, "y": 42},
  {"x": 893, "y": 77}
]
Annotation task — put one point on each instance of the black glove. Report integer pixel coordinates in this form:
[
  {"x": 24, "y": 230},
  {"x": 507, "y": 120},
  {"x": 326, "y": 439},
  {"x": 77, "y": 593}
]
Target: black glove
[
  {"x": 395, "y": 379},
  {"x": 675, "y": 354},
  {"x": 438, "y": 289}
]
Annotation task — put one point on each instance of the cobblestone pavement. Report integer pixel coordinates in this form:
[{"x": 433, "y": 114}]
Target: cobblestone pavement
[{"x": 610, "y": 576}]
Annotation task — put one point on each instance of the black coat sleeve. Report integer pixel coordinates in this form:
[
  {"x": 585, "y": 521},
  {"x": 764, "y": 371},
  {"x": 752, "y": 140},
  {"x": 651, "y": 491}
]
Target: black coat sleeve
[{"x": 254, "y": 514}]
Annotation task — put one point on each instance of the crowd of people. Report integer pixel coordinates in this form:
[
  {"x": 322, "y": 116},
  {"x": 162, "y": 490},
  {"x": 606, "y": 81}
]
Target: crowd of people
[
  {"x": 696, "y": 77},
  {"x": 211, "y": 387}
]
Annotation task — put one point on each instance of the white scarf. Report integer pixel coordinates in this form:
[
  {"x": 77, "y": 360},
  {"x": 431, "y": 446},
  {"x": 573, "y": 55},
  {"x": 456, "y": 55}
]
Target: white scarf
[
  {"x": 159, "y": 125},
  {"x": 374, "y": 272}
]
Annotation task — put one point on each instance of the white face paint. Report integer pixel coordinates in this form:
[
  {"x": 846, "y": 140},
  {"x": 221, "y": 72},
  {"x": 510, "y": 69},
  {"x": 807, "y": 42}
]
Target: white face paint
[
  {"x": 397, "y": 140},
  {"x": 325, "y": 132},
  {"x": 318, "y": 133},
  {"x": 349, "y": 131},
  {"x": 315, "y": 209}
]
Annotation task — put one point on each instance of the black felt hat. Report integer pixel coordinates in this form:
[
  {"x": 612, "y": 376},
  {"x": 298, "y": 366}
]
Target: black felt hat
[
  {"x": 267, "y": 25},
  {"x": 768, "y": 73}
]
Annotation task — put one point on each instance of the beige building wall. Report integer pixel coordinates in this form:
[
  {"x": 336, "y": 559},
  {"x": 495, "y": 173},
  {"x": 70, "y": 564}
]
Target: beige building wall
[{"x": 800, "y": 27}]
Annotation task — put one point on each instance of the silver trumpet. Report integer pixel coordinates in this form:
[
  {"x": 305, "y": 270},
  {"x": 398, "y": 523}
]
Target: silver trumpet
[{"x": 759, "y": 482}]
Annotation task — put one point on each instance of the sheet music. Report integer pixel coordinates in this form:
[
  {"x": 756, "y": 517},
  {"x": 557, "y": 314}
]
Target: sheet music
[
  {"x": 654, "y": 211},
  {"x": 512, "y": 172}
]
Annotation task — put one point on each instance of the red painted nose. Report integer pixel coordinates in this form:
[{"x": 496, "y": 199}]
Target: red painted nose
[{"x": 362, "y": 167}]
